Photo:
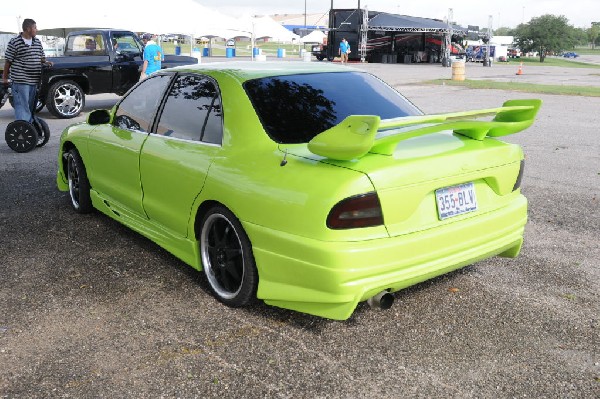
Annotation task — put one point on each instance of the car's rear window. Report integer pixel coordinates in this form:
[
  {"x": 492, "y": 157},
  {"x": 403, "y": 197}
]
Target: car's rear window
[{"x": 295, "y": 108}]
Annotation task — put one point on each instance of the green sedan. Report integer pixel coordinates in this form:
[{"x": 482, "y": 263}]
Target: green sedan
[{"x": 310, "y": 187}]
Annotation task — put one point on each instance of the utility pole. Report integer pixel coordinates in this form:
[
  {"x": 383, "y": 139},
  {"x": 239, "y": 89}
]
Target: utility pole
[
  {"x": 448, "y": 39},
  {"x": 305, "y": 16}
]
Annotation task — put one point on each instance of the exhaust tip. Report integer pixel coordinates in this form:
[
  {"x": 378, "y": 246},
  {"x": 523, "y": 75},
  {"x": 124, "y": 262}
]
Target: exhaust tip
[{"x": 384, "y": 300}]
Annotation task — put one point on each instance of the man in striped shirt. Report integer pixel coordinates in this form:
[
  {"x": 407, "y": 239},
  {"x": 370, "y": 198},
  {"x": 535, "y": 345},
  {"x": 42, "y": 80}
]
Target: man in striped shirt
[{"x": 24, "y": 60}]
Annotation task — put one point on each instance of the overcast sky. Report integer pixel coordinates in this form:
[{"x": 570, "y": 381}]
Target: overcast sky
[{"x": 580, "y": 13}]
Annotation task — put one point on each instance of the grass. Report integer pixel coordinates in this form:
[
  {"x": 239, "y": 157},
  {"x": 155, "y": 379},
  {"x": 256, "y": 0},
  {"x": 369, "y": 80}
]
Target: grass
[
  {"x": 553, "y": 61},
  {"x": 523, "y": 87},
  {"x": 587, "y": 50}
]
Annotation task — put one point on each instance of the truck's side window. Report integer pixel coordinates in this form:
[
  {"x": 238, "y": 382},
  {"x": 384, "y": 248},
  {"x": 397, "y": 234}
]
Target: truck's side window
[
  {"x": 86, "y": 44},
  {"x": 193, "y": 110},
  {"x": 137, "y": 110}
]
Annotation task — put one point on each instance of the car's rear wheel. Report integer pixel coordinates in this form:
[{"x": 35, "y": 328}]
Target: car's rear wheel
[
  {"x": 65, "y": 99},
  {"x": 227, "y": 258},
  {"x": 79, "y": 185}
]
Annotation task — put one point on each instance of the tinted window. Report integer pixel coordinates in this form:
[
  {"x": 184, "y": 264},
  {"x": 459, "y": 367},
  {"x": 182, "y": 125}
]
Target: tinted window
[
  {"x": 192, "y": 110},
  {"x": 295, "y": 108},
  {"x": 137, "y": 110}
]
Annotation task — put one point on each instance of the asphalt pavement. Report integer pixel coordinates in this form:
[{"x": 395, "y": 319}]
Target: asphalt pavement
[{"x": 88, "y": 308}]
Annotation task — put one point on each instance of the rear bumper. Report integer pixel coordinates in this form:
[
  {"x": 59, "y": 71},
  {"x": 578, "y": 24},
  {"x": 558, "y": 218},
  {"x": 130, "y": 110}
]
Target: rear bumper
[{"x": 328, "y": 279}]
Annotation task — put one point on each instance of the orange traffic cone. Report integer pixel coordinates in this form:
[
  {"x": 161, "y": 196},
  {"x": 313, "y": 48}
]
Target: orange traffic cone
[{"x": 520, "y": 71}]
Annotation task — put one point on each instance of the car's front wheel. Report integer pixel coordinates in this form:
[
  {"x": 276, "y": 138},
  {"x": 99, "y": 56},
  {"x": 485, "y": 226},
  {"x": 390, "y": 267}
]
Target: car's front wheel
[
  {"x": 227, "y": 258},
  {"x": 65, "y": 99},
  {"x": 79, "y": 185}
]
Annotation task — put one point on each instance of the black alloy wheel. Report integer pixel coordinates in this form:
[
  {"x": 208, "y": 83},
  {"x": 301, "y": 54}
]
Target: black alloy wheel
[
  {"x": 227, "y": 258},
  {"x": 79, "y": 185}
]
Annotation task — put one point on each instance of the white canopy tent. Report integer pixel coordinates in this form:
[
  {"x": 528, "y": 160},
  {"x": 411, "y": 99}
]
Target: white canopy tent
[
  {"x": 267, "y": 27},
  {"x": 181, "y": 16},
  {"x": 186, "y": 17},
  {"x": 9, "y": 24},
  {"x": 315, "y": 36}
]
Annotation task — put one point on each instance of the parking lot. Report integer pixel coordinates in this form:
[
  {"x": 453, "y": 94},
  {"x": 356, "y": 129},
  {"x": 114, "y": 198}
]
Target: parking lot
[{"x": 88, "y": 308}]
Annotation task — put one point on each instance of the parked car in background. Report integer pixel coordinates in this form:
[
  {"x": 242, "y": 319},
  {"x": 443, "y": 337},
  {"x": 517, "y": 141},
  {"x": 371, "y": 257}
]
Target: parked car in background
[
  {"x": 281, "y": 186},
  {"x": 571, "y": 54}
]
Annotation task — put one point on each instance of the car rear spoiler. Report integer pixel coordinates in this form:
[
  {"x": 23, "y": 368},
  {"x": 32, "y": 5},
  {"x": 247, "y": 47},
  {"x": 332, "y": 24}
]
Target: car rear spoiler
[{"x": 354, "y": 137}]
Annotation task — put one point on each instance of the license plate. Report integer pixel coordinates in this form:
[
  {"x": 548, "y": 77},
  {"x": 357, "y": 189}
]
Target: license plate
[{"x": 455, "y": 200}]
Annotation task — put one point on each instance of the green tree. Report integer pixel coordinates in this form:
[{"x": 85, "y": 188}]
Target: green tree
[
  {"x": 580, "y": 37},
  {"x": 504, "y": 31},
  {"x": 545, "y": 34},
  {"x": 593, "y": 34}
]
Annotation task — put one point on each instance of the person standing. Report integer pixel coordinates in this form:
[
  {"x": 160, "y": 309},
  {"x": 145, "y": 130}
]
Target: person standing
[
  {"x": 23, "y": 66},
  {"x": 344, "y": 50},
  {"x": 153, "y": 56}
]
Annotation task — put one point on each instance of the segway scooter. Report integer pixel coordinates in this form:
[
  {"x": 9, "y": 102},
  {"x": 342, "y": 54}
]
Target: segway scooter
[{"x": 22, "y": 136}]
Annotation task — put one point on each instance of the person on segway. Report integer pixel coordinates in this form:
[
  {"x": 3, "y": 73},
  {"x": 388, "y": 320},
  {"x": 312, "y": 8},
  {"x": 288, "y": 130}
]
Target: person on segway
[{"x": 23, "y": 69}]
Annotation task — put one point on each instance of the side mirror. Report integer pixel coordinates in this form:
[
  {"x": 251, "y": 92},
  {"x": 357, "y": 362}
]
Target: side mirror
[{"x": 98, "y": 117}]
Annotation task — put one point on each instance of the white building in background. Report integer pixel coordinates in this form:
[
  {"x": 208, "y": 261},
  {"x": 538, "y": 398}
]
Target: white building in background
[{"x": 501, "y": 45}]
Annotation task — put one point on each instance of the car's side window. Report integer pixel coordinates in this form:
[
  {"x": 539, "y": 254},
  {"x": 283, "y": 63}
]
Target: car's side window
[
  {"x": 137, "y": 110},
  {"x": 193, "y": 110}
]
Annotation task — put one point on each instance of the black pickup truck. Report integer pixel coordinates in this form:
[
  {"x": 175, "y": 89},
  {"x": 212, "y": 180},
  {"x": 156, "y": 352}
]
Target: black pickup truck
[{"x": 95, "y": 61}]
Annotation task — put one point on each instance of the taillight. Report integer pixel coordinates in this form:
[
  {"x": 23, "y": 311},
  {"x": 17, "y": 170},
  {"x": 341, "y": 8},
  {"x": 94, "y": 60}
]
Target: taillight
[
  {"x": 354, "y": 212},
  {"x": 520, "y": 176}
]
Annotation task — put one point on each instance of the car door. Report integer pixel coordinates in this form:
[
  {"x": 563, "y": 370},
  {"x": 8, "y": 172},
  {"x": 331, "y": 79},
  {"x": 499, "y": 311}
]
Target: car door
[
  {"x": 114, "y": 149},
  {"x": 175, "y": 159},
  {"x": 87, "y": 54},
  {"x": 127, "y": 61}
]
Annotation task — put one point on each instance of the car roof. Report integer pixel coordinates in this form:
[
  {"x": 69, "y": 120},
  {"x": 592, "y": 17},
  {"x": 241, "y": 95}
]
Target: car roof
[{"x": 245, "y": 70}]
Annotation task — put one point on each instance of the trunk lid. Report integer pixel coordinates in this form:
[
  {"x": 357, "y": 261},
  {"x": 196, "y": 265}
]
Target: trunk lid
[{"x": 407, "y": 179}]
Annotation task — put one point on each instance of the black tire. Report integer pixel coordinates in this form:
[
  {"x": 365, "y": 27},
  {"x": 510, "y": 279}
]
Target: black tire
[
  {"x": 43, "y": 131},
  {"x": 21, "y": 136},
  {"x": 320, "y": 57},
  {"x": 65, "y": 99},
  {"x": 79, "y": 185},
  {"x": 227, "y": 258},
  {"x": 330, "y": 59},
  {"x": 4, "y": 97}
]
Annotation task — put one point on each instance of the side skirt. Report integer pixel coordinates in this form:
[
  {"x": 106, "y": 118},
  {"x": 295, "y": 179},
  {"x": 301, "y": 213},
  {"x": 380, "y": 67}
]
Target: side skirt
[{"x": 183, "y": 248}]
